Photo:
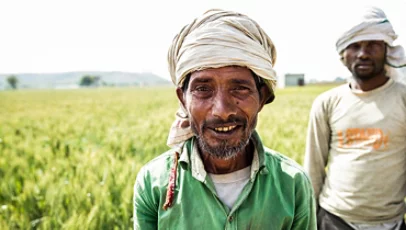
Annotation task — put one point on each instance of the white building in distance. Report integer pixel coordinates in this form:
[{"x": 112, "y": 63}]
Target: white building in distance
[{"x": 291, "y": 79}]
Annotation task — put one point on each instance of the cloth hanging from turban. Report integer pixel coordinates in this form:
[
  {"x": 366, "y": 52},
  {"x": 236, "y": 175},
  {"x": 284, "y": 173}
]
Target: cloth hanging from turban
[
  {"x": 217, "y": 39},
  {"x": 374, "y": 25}
]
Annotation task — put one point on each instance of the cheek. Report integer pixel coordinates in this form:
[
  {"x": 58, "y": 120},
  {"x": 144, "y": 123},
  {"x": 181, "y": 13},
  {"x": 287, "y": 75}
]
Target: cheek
[
  {"x": 194, "y": 123},
  {"x": 250, "y": 109},
  {"x": 383, "y": 59},
  {"x": 196, "y": 114},
  {"x": 346, "y": 61},
  {"x": 254, "y": 100},
  {"x": 347, "y": 58}
]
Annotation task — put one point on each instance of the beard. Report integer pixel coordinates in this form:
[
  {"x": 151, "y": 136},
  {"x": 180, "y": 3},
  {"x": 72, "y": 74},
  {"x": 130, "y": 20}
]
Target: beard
[
  {"x": 224, "y": 149},
  {"x": 377, "y": 70},
  {"x": 378, "y": 67}
]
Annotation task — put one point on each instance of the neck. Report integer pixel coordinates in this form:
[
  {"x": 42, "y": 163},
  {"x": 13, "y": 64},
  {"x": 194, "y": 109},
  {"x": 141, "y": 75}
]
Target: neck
[
  {"x": 369, "y": 84},
  {"x": 222, "y": 166}
]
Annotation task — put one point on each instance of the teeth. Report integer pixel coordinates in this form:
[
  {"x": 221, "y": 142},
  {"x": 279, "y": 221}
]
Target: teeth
[{"x": 225, "y": 129}]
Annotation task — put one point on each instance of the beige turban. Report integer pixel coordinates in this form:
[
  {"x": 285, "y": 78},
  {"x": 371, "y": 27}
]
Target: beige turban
[
  {"x": 217, "y": 39},
  {"x": 374, "y": 25}
]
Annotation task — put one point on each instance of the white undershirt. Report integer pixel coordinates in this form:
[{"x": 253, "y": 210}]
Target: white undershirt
[
  {"x": 393, "y": 225},
  {"x": 229, "y": 186}
]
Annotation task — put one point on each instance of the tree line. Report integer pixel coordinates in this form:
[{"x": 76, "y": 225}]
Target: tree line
[{"x": 85, "y": 81}]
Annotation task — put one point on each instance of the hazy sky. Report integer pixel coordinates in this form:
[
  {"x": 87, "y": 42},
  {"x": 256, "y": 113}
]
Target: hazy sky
[{"x": 86, "y": 35}]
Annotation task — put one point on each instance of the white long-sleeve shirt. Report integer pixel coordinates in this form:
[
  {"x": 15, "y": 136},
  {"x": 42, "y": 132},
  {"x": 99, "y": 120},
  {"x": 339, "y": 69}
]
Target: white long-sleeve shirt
[{"x": 356, "y": 152}]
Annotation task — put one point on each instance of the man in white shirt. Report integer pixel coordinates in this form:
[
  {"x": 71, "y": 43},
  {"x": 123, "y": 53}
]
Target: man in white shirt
[{"x": 356, "y": 143}]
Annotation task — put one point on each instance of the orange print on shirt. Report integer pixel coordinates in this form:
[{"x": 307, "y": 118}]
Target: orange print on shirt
[{"x": 356, "y": 136}]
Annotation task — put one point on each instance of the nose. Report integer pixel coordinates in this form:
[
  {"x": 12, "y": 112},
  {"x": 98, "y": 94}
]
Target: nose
[
  {"x": 223, "y": 106},
  {"x": 363, "y": 52}
]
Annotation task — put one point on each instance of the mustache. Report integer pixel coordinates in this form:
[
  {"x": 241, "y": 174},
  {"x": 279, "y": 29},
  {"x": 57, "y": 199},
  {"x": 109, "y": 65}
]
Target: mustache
[
  {"x": 218, "y": 121},
  {"x": 364, "y": 62}
]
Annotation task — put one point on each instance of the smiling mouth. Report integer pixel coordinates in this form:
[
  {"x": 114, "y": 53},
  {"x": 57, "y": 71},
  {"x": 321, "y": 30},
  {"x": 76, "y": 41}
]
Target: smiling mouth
[{"x": 225, "y": 128}]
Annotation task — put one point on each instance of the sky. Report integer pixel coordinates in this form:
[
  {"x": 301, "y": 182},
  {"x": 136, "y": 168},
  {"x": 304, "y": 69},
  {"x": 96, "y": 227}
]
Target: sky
[{"x": 46, "y": 36}]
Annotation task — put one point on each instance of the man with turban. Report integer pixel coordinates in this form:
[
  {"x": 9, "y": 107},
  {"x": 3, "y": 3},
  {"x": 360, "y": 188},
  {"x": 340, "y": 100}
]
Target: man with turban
[
  {"x": 218, "y": 174},
  {"x": 356, "y": 143}
]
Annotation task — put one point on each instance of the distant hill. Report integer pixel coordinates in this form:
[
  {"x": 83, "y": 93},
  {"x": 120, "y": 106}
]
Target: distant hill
[{"x": 72, "y": 79}]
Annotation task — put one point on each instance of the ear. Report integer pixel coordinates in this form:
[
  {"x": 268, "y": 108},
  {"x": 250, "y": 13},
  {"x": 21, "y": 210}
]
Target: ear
[
  {"x": 267, "y": 96},
  {"x": 181, "y": 96},
  {"x": 342, "y": 57}
]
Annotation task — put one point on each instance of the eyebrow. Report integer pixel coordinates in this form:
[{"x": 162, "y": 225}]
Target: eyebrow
[
  {"x": 201, "y": 80},
  {"x": 242, "y": 81},
  {"x": 235, "y": 81}
]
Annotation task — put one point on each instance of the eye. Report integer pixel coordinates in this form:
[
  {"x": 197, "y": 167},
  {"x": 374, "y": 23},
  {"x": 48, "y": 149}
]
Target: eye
[
  {"x": 376, "y": 44},
  {"x": 241, "y": 88},
  {"x": 354, "y": 46},
  {"x": 241, "y": 91},
  {"x": 202, "y": 89}
]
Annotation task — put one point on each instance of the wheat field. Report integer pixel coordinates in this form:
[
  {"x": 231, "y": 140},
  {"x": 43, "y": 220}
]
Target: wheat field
[{"x": 69, "y": 158}]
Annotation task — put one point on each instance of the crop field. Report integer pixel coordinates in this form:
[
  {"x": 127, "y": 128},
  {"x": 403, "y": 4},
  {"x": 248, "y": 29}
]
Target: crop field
[{"x": 69, "y": 158}]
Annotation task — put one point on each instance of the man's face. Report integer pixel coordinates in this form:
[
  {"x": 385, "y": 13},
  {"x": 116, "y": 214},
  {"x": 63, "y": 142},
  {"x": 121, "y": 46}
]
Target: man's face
[
  {"x": 365, "y": 59},
  {"x": 223, "y": 105}
]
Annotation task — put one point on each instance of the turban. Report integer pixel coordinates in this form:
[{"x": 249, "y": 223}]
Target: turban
[
  {"x": 217, "y": 39},
  {"x": 374, "y": 25}
]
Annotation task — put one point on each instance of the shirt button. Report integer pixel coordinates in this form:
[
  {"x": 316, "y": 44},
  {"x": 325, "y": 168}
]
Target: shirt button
[{"x": 230, "y": 218}]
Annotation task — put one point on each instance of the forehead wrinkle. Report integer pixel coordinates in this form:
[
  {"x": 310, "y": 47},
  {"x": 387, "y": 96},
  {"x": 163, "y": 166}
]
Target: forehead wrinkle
[{"x": 201, "y": 79}]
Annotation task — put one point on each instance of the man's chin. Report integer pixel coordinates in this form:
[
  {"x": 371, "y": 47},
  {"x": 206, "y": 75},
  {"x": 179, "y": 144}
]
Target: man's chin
[
  {"x": 364, "y": 76},
  {"x": 222, "y": 150}
]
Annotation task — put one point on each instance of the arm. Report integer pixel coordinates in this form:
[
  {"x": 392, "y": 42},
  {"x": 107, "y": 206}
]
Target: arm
[
  {"x": 305, "y": 209},
  {"x": 145, "y": 211},
  {"x": 317, "y": 145}
]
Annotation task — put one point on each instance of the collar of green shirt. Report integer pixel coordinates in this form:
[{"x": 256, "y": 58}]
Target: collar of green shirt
[{"x": 190, "y": 157}]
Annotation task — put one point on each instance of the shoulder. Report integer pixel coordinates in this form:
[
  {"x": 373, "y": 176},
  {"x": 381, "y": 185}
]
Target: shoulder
[
  {"x": 160, "y": 161},
  {"x": 400, "y": 88},
  {"x": 397, "y": 93},
  {"x": 286, "y": 167},
  {"x": 326, "y": 101},
  {"x": 331, "y": 95},
  {"x": 156, "y": 171}
]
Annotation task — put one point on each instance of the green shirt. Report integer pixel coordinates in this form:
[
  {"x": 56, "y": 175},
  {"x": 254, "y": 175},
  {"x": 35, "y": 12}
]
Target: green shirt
[{"x": 278, "y": 195}]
